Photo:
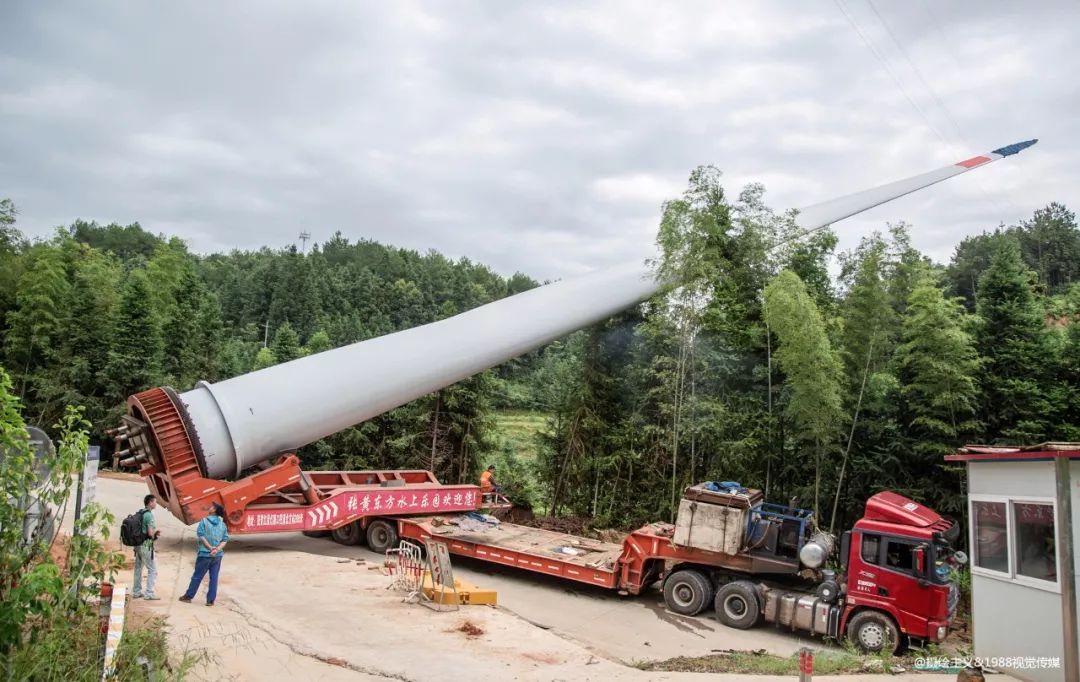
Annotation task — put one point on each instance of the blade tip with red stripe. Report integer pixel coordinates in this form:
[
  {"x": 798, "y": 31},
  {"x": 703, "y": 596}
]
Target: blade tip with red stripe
[{"x": 1000, "y": 152}]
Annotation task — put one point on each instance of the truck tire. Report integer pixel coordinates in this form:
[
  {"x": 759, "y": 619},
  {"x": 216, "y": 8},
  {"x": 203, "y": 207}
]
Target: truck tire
[
  {"x": 382, "y": 535},
  {"x": 349, "y": 534},
  {"x": 737, "y": 605},
  {"x": 873, "y": 632},
  {"x": 687, "y": 592}
]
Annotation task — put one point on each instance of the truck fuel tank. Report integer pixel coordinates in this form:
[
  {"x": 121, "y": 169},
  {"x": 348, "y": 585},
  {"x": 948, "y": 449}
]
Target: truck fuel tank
[
  {"x": 816, "y": 551},
  {"x": 826, "y": 619},
  {"x": 787, "y": 609},
  {"x": 804, "y": 612},
  {"x": 800, "y": 611}
]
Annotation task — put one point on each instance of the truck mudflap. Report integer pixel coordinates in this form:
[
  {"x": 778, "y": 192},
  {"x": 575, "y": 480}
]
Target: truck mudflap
[{"x": 800, "y": 611}]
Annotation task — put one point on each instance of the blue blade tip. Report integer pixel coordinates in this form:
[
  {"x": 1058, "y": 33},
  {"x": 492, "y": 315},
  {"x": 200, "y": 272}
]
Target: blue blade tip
[{"x": 1015, "y": 148}]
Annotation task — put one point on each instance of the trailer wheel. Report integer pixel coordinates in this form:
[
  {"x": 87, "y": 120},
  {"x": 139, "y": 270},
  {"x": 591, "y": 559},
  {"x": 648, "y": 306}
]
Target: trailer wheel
[
  {"x": 381, "y": 536},
  {"x": 349, "y": 534},
  {"x": 873, "y": 632},
  {"x": 687, "y": 592},
  {"x": 737, "y": 605}
]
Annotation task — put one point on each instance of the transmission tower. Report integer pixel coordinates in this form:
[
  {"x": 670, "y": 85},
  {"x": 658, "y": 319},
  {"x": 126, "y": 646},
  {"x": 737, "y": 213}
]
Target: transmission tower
[{"x": 304, "y": 236}]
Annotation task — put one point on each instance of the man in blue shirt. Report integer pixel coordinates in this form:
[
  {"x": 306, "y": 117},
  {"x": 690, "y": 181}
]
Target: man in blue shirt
[{"x": 212, "y": 535}]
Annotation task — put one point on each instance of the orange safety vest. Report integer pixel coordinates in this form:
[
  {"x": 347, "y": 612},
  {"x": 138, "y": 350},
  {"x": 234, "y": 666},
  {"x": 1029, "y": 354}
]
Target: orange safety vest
[{"x": 485, "y": 481}]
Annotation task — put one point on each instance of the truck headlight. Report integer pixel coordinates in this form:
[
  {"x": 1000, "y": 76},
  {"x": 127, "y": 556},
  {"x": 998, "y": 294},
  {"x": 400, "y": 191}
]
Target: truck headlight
[{"x": 941, "y": 632}]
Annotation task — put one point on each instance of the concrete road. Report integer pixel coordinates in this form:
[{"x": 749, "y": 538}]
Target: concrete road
[
  {"x": 307, "y": 608},
  {"x": 626, "y": 629}
]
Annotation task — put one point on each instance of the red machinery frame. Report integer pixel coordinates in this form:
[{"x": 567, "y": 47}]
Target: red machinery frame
[{"x": 281, "y": 496}]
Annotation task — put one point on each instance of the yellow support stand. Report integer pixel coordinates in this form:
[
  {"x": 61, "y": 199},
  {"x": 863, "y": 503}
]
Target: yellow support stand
[{"x": 467, "y": 594}]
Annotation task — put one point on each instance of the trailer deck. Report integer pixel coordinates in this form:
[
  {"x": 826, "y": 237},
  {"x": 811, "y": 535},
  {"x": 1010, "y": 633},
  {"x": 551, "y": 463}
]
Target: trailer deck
[
  {"x": 631, "y": 566},
  {"x": 535, "y": 549}
]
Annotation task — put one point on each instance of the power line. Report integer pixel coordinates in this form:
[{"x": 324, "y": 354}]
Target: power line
[
  {"x": 993, "y": 198},
  {"x": 885, "y": 65},
  {"x": 918, "y": 73},
  {"x": 940, "y": 31},
  {"x": 900, "y": 86}
]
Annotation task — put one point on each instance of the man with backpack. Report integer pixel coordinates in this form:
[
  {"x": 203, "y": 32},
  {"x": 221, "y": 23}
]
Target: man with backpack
[{"x": 139, "y": 532}]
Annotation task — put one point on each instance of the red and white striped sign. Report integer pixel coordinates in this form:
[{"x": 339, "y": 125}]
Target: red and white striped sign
[{"x": 352, "y": 504}]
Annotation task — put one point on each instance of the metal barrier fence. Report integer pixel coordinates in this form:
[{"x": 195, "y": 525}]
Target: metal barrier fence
[{"x": 405, "y": 564}]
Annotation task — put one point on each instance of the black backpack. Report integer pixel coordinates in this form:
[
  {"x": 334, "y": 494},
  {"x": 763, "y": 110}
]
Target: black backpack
[{"x": 131, "y": 530}]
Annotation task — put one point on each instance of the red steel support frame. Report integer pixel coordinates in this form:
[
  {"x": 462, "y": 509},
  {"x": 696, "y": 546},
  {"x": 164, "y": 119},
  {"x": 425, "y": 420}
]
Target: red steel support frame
[{"x": 280, "y": 497}]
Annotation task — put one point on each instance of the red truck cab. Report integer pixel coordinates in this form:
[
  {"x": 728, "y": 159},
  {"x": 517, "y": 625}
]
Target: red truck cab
[{"x": 897, "y": 562}]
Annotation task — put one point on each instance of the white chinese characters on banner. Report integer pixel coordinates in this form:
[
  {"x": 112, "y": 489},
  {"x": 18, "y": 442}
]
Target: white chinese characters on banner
[
  {"x": 275, "y": 519},
  {"x": 332, "y": 512}
]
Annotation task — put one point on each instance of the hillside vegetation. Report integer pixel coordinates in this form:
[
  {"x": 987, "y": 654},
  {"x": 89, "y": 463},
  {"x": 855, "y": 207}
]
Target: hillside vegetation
[{"x": 758, "y": 367}]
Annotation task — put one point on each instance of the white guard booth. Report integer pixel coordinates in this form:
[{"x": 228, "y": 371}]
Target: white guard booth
[{"x": 1023, "y": 515}]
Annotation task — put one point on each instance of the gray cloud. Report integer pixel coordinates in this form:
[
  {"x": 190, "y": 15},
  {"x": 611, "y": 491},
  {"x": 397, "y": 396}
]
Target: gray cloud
[{"x": 527, "y": 136}]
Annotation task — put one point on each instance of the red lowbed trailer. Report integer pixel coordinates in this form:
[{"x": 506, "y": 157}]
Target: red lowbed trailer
[{"x": 894, "y": 586}]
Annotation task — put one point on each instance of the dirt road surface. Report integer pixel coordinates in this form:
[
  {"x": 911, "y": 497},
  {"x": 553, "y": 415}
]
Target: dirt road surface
[{"x": 298, "y": 608}]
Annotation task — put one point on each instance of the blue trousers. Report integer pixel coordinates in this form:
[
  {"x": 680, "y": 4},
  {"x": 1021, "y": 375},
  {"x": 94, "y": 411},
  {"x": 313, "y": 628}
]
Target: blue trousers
[{"x": 202, "y": 565}]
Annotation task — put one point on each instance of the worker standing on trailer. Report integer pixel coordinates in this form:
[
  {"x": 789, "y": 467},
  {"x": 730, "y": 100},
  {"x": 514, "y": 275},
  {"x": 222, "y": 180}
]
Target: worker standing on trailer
[
  {"x": 487, "y": 481},
  {"x": 213, "y": 535}
]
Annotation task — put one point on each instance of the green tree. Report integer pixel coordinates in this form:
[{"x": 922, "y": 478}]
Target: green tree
[
  {"x": 1050, "y": 244},
  {"x": 9, "y": 236},
  {"x": 939, "y": 370},
  {"x": 89, "y": 332},
  {"x": 811, "y": 370},
  {"x": 319, "y": 342},
  {"x": 1069, "y": 368},
  {"x": 193, "y": 334},
  {"x": 36, "y": 325},
  {"x": 135, "y": 357},
  {"x": 128, "y": 242},
  {"x": 970, "y": 260},
  {"x": 169, "y": 269},
  {"x": 11, "y": 243},
  {"x": 1014, "y": 345},
  {"x": 265, "y": 358},
  {"x": 286, "y": 343},
  {"x": 37, "y": 599},
  {"x": 867, "y": 338}
]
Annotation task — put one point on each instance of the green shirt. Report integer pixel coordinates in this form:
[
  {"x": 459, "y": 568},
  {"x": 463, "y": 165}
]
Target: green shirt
[{"x": 147, "y": 524}]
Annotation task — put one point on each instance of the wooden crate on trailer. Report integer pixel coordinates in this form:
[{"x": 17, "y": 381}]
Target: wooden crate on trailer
[{"x": 712, "y": 527}]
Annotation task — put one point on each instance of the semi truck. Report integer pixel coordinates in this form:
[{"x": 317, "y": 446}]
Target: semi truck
[{"x": 234, "y": 442}]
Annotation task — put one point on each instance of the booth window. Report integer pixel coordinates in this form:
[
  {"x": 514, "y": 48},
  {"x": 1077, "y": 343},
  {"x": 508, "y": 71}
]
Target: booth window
[
  {"x": 990, "y": 533},
  {"x": 1035, "y": 555},
  {"x": 1013, "y": 540}
]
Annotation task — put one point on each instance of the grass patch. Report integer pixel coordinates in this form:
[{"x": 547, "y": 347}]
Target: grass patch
[
  {"x": 70, "y": 651},
  {"x": 759, "y": 662},
  {"x": 517, "y": 431}
]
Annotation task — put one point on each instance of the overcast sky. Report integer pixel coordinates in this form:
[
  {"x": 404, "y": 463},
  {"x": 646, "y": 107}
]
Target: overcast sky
[{"x": 540, "y": 137}]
